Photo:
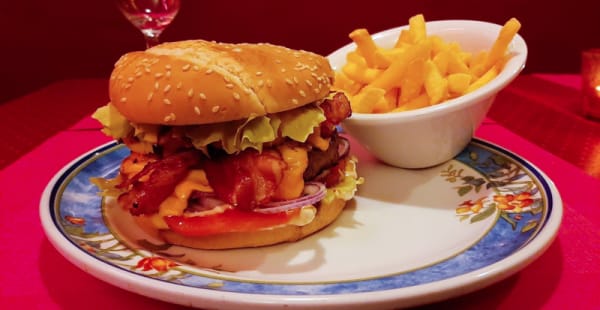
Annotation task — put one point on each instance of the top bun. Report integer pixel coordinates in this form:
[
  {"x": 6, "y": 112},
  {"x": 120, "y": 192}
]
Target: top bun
[{"x": 201, "y": 82}]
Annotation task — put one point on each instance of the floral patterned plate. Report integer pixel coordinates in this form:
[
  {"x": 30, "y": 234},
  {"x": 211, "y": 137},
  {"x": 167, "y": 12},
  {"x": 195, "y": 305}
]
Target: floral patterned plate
[{"x": 409, "y": 237}]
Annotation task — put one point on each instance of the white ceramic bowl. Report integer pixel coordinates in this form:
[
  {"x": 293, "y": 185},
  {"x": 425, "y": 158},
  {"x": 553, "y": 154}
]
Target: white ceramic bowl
[{"x": 430, "y": 136}]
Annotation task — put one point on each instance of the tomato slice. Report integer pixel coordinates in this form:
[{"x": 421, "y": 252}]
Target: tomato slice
[{"x": 232, "y": 220}]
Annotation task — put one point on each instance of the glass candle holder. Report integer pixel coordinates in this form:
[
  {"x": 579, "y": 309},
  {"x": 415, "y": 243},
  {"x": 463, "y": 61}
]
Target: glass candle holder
[{"x": 590, "y": 76}]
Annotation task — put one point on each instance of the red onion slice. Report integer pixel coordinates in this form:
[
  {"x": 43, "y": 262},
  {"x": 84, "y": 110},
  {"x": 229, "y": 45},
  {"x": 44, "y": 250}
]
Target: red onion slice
[
  {"x": 343, "y": 147},
  {"x": 313, "y": 193}
]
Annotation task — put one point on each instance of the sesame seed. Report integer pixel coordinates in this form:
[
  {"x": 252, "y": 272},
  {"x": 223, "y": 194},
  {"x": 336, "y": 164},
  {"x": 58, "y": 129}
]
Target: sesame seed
[
  {"x": 190, "y": 93},
  {"x": 229, "y": 85},
  {"x": 202, "y": 96},
  {"x": 261, "y": 83},
  {"x": 258, "y": 73},
  {"x": 300, "y": 66},
  {"x": 150, "y": 95},
  {"x": 236, "y": 96},
  {"x": 178, "y": 85},
  {"x": 314, "y": 75},
  {"x": 147, "y": 69},
  {"x": 302, "y": 93},
  {"x": 269, "y": 83},
  {"x": 127, "y": 86},
  {"x": 186, "y": 67},
  {"x": 168, "y": 66},
  {"x": 247, "y": 91},
  {"x": 167, "y": 88},
  {"x": 295, "y": 79},
  {"x": 170, "y": 117},
  {"x": 277, "y": 61},
  {"x": 308, "y": 82},
  {"x": 316, "y": 90},
  {"x": 197, "y": 110},
  {"x": 209, "y": 71},
  {"x": 129, "y": 79},
  {"x": 289, "y": 82},
  {"x": 156, "y": 85},
  {"x": 196, "y": 68},
  {"x": 123, "y": 99},
  {"x": 226, "y": 79},
  {"x": 295, "y": 101},
  {"x": 168, "y": 74},
  {"x": 215, "y": 109},
  {"x": 237, "y": 49},
  {"x": 282, "y": 70},
  {"x": 138, "y": 74},
  {"x": 158, "y": 75},
  {"x": 166, "y": 101}
]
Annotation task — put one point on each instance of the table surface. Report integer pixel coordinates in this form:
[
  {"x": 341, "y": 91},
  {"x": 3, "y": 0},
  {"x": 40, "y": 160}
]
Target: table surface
[{"x": 536, "y": 117}]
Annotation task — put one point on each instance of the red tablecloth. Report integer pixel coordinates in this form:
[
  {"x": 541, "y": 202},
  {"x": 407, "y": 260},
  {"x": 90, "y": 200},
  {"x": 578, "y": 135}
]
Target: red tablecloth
[{"x": 567, "y": 275}]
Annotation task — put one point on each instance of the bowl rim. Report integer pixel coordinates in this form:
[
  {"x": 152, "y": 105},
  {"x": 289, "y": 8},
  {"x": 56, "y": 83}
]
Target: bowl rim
[{"x": 511, "y": 70}]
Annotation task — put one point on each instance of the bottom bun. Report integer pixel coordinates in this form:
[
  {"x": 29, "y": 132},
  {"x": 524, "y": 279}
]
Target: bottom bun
[{"x": 326, "y": 214}]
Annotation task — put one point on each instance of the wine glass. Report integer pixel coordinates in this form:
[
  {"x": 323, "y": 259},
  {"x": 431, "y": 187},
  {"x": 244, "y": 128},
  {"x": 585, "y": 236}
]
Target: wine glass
[{"x": 151, "y": 17}]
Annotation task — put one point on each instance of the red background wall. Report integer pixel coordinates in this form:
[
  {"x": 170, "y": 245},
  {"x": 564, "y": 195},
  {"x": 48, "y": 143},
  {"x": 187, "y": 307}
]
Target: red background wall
[{"x": 44, "y": 41}]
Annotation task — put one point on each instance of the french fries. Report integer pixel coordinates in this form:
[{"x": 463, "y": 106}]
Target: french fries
[{"x": 419, "y": 71}]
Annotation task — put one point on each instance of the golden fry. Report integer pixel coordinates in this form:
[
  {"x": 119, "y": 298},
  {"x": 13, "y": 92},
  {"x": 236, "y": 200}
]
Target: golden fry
[
  {"x": 361, "y": 74},
  {"x": 455, "y": 63},
  {"x": 388, "y": 103},
  {"x": 486, "y": 77},
  {"x": 437, "y": 44},
  {"x": 508, "y": 31},
  {"x": 365, "y": 45},
  {"x": 344, "y": 83},
  {"x": 416, "y": 26},
  {"x": 441, "y": 61},
  {"x": 435, "y": 84},
  {"x": 367, "y": 48},
  {"x": 366, "y": 100},
  {"x": 417, "y": 103},
  {"x": 411, "y": 84},
  {"x": 458, "y": 83},
  {"x": 404, "y": 38}
]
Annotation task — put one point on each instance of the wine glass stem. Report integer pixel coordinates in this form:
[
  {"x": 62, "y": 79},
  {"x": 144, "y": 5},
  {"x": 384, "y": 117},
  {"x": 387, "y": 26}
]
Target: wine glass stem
[{"x": 152, "y": 39}]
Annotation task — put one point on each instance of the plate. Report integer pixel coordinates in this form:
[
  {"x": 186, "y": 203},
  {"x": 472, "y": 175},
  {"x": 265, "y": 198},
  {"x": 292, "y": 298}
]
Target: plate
[{"x": 409, "y": 237}]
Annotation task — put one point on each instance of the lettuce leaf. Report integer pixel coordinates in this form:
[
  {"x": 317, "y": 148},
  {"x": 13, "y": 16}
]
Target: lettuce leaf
[
  {"x": 236, "y": 136},
  {"x": 347, "y": 187},
  {"x": 233, "y": 136},
  {"x": 114, "y": 123},
  {"x": 298, "y": 124}
]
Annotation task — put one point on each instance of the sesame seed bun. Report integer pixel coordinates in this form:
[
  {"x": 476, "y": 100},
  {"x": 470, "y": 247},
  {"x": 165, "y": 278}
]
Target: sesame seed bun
[
  {"x": 201, "y": 82},
  {"x": 326, "y": 214}
]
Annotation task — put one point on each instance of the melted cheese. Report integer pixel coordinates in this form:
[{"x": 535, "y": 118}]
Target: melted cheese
[
  {"x": 292, "y": 182},
  {"x": 177, "y": 202},
  {"x": 132, "y": 165},
  {"x": 317, "y": 141},
  {"x": 141, "y": 147}
]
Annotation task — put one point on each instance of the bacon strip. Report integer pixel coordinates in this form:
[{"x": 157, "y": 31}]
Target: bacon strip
[
  {"x": 336, "y": 110},
  {"x": 156, "y": 182},
  {"x": 247, "y": 179}
]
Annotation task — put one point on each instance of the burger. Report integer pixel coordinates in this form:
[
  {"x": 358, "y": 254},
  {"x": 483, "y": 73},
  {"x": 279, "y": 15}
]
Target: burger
[{"x": 231, "y": 145}]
